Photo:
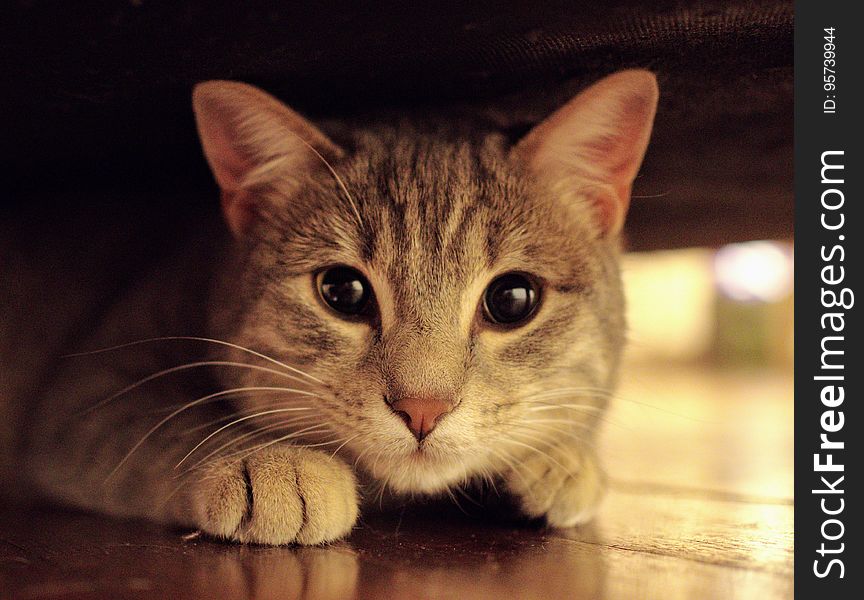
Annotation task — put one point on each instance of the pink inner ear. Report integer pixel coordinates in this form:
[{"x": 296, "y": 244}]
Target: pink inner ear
[
  {"x": 610, "y": 205},
  {"x": 229, "y": 167},
  {"x": 616, "y": 154},
  {"x": 239, "y": 210},
  {"x": 599, "y": 137}
]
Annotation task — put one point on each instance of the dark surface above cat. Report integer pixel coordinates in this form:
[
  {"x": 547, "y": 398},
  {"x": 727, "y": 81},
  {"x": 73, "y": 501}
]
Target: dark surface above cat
[{"x": 99, "y": 96}]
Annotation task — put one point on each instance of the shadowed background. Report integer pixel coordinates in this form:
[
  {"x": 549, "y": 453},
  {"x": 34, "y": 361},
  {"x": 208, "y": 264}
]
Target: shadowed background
[{"x": 96, "y": 95}]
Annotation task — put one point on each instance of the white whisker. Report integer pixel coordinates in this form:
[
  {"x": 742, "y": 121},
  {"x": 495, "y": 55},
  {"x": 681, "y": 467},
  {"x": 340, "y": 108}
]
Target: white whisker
[
  {"x": 336, "y": 451},
  {"x": 505, "y": 457},
  {"x": 183, "y": 408},
  {"x": 360, "y": 456},
  {"x": 575, "y": 391},
  {"x": 196, "y": 339},
  {"x": 541, "y": 452},
  {"x": 335, "y": 176},
  {"x": 235, "y": 422},
  {"x": 237, "y": 413},
  {"x": 255, "y": 433},
  {"x": 552, "y": 406},
  {"x": 184, "y": 367},
  {"x": 548, "y": 429},
  {"x": 291, "y": 436}
]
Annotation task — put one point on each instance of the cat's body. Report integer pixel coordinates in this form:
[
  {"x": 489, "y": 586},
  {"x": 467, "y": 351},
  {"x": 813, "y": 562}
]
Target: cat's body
[{"x": 419, "y": 386}]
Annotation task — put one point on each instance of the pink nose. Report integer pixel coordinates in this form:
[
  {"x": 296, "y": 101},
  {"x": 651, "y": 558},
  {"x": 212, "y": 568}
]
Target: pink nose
[{"x": 420, "y": 414}]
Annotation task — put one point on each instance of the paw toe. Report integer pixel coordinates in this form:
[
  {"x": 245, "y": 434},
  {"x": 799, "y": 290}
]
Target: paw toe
[{"x": 284, "y": 496}]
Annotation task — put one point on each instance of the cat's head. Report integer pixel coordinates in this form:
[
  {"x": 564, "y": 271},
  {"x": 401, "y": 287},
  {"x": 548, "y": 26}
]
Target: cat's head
[{"x": 451, "y": 298}]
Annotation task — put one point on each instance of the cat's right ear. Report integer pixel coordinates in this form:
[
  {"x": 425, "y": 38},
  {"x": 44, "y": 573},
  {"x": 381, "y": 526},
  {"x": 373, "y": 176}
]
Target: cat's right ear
[
  {"x": 591, "y": 148},
  {"x": 246, "y": 134}
]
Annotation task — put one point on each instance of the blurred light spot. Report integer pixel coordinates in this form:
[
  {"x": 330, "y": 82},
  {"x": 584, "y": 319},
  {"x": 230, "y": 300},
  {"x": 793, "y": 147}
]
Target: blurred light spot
[{"x": 754, "y": 271}]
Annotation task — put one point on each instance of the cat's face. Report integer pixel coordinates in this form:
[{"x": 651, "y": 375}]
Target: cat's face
[{"x": 452, "y": 301}]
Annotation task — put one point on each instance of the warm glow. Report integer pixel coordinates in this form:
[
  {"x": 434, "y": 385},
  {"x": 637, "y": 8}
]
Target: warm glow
[
  {"x": 730, "y": 304},
  {"x": 754, "y": 271},
  {"x": 670, "y": 300}
]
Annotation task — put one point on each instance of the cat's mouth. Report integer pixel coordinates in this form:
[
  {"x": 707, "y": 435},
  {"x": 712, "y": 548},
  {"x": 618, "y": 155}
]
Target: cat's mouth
[{"x": 421, "y": 452}]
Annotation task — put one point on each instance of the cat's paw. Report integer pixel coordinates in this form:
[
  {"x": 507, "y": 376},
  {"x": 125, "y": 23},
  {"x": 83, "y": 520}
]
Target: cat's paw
[
  {"x": 564, "y": 485},
  {"x": 280, "y": 495}
]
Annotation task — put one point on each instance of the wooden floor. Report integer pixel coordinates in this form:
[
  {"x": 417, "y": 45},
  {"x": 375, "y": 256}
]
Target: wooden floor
[{"x": 700, "y": 507}]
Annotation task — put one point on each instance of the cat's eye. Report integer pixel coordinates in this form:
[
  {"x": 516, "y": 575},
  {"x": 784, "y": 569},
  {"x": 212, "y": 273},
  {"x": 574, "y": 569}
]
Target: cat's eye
[
  {"x": 345, "y": 290},
  {"x": 510, "y": 299}
]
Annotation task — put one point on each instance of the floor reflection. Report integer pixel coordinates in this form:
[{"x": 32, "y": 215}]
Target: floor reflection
[
  {"x": 428, "y": 552},
  {"x": 277, "y": 573},
  {"x": 437, "y": 554}
]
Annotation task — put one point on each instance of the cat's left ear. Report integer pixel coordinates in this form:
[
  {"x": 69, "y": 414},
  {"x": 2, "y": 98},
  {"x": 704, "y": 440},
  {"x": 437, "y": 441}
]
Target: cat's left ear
[
  {"x": 592, "y": 147},
  {"x": 246, "y": 133}
]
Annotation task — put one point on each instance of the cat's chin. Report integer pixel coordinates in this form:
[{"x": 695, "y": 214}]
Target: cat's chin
[
  {"x": 425, "y": 482},
  {"x": 422, "y": 472}
]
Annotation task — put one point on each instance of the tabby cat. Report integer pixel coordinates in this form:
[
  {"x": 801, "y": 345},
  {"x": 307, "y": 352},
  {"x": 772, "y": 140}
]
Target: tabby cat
[{"x": 401, "y": 307}]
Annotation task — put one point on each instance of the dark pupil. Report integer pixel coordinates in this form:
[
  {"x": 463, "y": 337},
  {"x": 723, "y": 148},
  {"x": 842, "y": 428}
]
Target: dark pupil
[
  {"x": 345, "y": 290},
  {"x": 510, "y": 298}
]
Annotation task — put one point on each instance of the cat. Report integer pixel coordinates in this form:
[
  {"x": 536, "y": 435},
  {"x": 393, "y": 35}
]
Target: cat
[{"x": 405, "y": 305}]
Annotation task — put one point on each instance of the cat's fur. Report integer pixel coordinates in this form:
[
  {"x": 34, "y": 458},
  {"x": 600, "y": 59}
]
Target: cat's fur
[{"x": 430, "y": 212}]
